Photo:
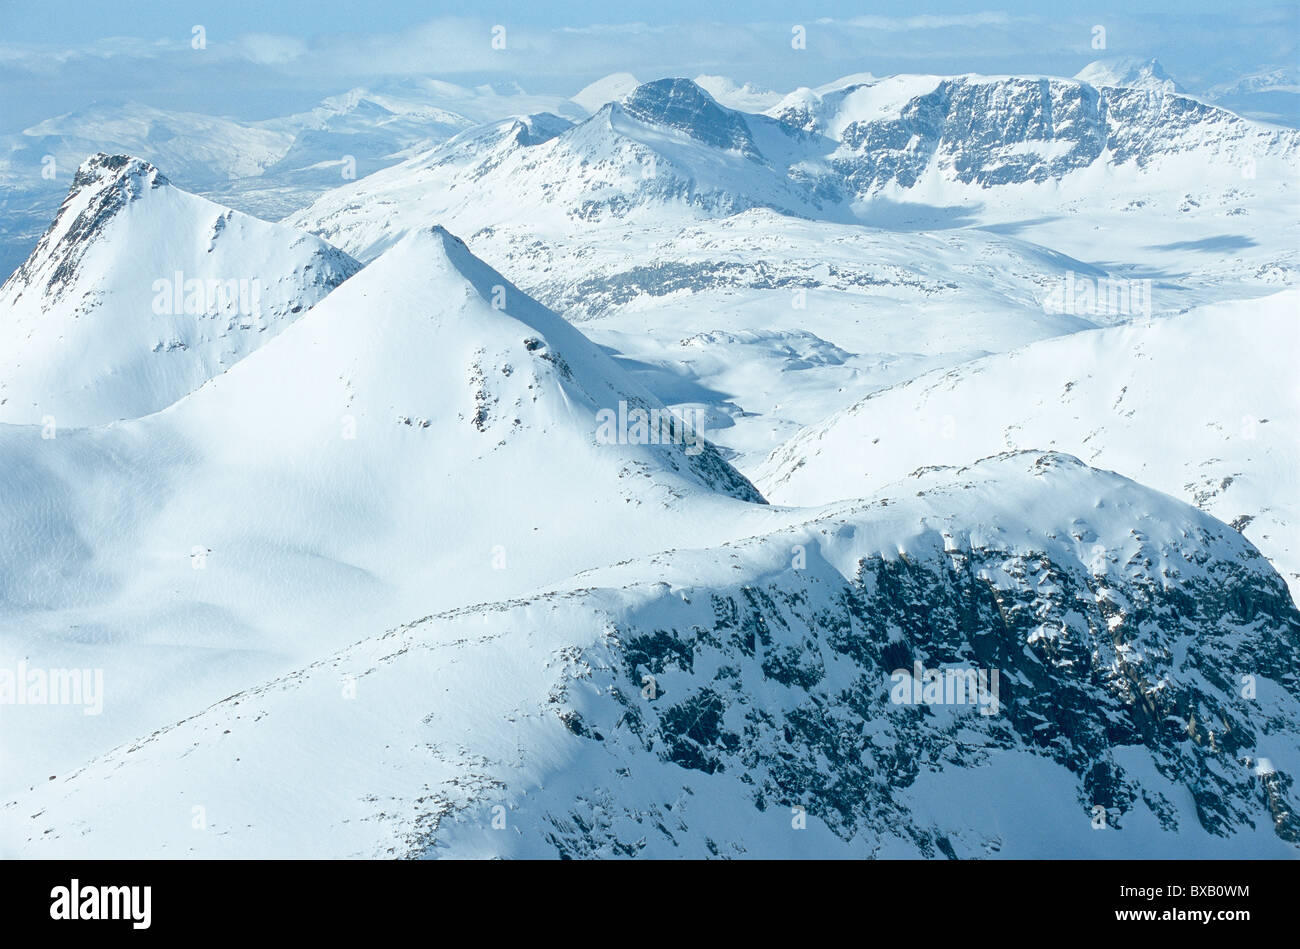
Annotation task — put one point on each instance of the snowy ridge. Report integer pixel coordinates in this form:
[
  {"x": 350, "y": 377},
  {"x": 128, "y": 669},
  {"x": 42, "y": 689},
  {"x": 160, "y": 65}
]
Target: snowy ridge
[
  {"x": 669, "y": 142},
  {"x": 683, "y": 705},
  {"x": 1167, "y": 404}
]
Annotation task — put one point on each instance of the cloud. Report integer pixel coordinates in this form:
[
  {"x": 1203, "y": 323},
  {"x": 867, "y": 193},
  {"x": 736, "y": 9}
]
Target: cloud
[
  {"x": 929, "y": 21},
  {"x": 263, "y": 69},
  {"x": 269, "y": 50}
]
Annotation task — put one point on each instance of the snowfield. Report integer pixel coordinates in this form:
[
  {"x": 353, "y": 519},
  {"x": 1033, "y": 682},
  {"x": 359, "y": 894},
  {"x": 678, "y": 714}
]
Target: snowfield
[
  {"x": 642, "y": 473},
  {"x": 690, "y": 704},
  {"x": 1165, "y": 403}
]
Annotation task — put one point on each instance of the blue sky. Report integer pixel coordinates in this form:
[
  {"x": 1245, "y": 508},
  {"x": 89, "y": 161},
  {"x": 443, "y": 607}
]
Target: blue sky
[
  {"x": 268, "y": 58},
  {"x": 35, "y": 21}
]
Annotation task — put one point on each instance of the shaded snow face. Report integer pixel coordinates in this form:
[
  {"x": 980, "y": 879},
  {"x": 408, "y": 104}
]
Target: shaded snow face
[
  {"x": 741, "y": 701},
  {"x": 1136, "y": 669}
]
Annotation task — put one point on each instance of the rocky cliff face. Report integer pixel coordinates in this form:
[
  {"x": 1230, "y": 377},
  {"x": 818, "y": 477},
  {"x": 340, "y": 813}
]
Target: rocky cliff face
[
  {"x": 681, "y": 105},
  {"x": 1015, "y": 130},
  {"x": 102, "y": 186},
  {"x": 1137, "y": 672},
  {"x": 1007, "y": 132}
]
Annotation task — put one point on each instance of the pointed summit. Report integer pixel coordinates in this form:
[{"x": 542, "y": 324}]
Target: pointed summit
[
  {"x": 682, "y": 105},
  {"x": 102, "y": 186},
  {"x": 140, "y": 292},
  {"x": 102, "y": 170},
  {"x": 609, "y": 89},
  {"x": 1129, "y": 73},
  {"x": 428, "y": 335}
]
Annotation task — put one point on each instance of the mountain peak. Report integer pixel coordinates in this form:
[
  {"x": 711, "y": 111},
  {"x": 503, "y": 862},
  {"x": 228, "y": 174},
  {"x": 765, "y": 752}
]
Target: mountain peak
[
  {"x": 539, "y": 127},
  {"x": 166, "y": 289},
  {"x": 683, "y": 105},
  {"x": 609, "y": 89},
  {"x": 102, "y": 172},
  {"x": 674, "y": 96},
  {"x": 102, "y": 186},
  {"x": 1129, "y": 72}
]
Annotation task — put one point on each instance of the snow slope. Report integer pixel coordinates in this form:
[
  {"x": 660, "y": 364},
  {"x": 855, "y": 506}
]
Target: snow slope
[
  {"x": 769, "y": 324},
  {"x": 1130, "y": 73},
  {"x": 408, "y": 445},
  {"x": 710, "y": 702},
  {"x": 138, "y": 293},
  {"x": 609, "y": 89},
  {"x": 1203, "y": 405}
]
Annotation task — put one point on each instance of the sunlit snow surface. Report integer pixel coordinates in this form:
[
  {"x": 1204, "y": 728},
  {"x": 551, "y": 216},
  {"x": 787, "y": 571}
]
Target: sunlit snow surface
[{"x": 363, "y": 578}]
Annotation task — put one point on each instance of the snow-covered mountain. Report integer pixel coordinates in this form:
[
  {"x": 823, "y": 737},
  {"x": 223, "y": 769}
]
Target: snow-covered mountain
[
  {"x": 424, "y": 436},
  {"x": 668, "y": 210},
  {"x": 745, "y": 97},
  {"x": 372, "y": 125},
  {"x": 757, "y": 699},
  {"x": 1130, "y": 73},
  {"x": 860, "y": 147},
  {"x": 669, "y": 148},
  {"x": 267, "y": 168},
  {"x": 363, "y": 130},
  {"x": 1204, "y": 406},
  {"x": 1270, "y": 95},
  {"x": 611, "y": 88},
  {"x": 199, "y": 152},
  {"x": 138, "y": 293},
  {"x": 196, "y": 149},
  {"x": 1047, "y": 161}
]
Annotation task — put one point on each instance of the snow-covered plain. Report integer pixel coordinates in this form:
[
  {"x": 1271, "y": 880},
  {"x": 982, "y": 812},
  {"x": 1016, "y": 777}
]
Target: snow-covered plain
[{"x": 365, "y": 576}]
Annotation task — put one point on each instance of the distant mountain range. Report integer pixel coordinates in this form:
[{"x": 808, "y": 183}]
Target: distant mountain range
[{"x": 275, "y": 166}]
